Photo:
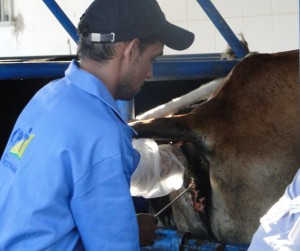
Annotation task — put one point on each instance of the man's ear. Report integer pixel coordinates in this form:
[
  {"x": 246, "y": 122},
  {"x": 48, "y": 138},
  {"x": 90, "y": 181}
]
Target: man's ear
[{"x": 131, "y": 51}]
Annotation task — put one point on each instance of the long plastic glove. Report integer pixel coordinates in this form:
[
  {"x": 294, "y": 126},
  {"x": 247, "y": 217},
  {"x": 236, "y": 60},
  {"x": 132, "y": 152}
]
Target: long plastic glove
[{"x": 160, "y": 170}]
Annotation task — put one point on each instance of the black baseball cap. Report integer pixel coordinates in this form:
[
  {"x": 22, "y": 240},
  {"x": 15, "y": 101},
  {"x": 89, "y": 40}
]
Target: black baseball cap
[{"x": 123, "y": 20}]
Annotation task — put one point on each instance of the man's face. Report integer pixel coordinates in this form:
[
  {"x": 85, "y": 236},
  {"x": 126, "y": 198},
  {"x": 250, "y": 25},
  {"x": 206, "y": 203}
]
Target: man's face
[{"x": 139, "y": 70}]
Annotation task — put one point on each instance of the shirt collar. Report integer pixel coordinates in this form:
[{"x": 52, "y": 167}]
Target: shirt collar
[{"x": 91, "y": 84}]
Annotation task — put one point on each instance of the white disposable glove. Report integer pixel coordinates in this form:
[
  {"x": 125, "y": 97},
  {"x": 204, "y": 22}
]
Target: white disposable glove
[{"x": 160, "y": 170}]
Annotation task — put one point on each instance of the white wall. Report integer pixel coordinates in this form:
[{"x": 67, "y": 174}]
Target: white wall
[
  {"x": 268, "y": 26},
  {"x": 36, "y": 31}
]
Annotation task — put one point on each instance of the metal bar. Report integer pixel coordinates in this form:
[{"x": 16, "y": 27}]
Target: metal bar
[
  {"x": 162, "y": 70},
  {"x": 17, "y": 71},
  {"x": 168, "y": 240},
  {"x": 174, "y": 200},
  {"x": 63, "y": 19},
  {"x": 223, "y": 28}
]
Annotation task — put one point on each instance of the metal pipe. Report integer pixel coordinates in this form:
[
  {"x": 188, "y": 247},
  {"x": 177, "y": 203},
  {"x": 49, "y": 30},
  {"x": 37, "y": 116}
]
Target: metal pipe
[
  {"x": 196, "y": 67},
  {"x": 127, "y": 109},
  {"x": 175, "y": 199},
  {"x": 214, "y": 15},
  {"x": 173, "y": 240},
  {"x": 63, "y": 19},
  {"x": 17, "y": 71},
  {"x": 167, "y": 240}
]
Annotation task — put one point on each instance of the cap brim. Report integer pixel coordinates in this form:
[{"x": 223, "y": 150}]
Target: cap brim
[{"x": 175, "y": 37}]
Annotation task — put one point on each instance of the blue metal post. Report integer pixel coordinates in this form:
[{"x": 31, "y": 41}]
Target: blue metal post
[
  {"x": 127, "y": 109},
  {"x": 63, "y": 19},
  {"x": 179, "y": 67},
  {"x": 167, "y": 240},
  {"x": 223, "y": 28}
]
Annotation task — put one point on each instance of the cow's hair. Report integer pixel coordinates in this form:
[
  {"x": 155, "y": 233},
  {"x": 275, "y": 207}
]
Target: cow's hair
[{"x": 229, "y": 54}]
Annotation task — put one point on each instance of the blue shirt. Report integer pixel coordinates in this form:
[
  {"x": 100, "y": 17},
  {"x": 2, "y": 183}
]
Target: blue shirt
[
  {"x": 65, "y": 172},
  {"x": 280, "y": 227}
]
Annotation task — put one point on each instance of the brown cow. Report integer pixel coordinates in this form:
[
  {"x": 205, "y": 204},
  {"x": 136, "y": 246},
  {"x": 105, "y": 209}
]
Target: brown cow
[{"x": 248, "y": 134}]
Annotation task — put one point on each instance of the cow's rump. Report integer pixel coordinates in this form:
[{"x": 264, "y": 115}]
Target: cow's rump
[{"x": 246, "y": 137}]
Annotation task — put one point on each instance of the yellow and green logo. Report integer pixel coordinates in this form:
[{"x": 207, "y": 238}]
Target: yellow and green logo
[{"x": 19, "y": 148}]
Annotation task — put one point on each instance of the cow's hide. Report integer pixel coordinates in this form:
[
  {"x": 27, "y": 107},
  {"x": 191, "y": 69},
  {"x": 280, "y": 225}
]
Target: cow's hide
[{"x": 245, "y": 137}]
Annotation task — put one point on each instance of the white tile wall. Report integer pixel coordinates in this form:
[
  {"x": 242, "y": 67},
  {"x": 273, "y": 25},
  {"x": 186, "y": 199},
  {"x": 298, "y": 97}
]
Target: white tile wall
[
  {"x": 257, "y": 7},
  {"x": 177, "y": 10},
  {"x": 205, "y": 36},
  {"x": 229, "y": 8},
  {"x": 285, "y": 32},
  {"x": 284, "y": 6},
  {"x": 267, "y": 25},
  {"x": 194, "y": 11},
  {"x": 258, "y": 33}
]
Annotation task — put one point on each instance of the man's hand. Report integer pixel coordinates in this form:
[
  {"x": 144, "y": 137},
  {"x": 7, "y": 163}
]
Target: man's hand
[{"x": 147, "y": 227}]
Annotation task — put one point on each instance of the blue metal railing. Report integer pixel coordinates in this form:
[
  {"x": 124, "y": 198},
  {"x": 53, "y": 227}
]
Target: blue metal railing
[
  {"x": 172, "y": 240},
  {"x": 181, "y": 67},
  {"x": 202, "y": 66},
  {"x": 191, "y": 67}
]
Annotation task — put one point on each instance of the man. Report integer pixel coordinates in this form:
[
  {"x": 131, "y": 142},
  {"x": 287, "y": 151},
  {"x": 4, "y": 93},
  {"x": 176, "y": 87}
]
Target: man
[
  {"x": 280, "y": 227},
  {"x": 65, "y": 172}
]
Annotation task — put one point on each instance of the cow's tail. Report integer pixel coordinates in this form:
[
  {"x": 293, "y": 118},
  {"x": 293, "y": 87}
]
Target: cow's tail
[{"x": 165, "y": 129}]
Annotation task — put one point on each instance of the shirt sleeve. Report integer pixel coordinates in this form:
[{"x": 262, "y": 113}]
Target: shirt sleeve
[
  {"x": 280, "y": 233},
  {"x": 103, "y": 209},
  {"x": 293, "y": 190}
]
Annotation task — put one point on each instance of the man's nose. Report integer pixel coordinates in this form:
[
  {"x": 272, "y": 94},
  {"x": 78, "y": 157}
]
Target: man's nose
[{"x": 150, "y": 72}]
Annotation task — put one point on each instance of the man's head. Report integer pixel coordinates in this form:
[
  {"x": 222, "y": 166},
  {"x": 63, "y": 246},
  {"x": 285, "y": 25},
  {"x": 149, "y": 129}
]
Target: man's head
[{"x": 110, "y": 27}]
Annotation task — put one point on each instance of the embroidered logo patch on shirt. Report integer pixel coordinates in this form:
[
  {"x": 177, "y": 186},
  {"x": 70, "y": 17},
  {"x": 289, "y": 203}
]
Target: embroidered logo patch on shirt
[{"x": 21, "y": 142}]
